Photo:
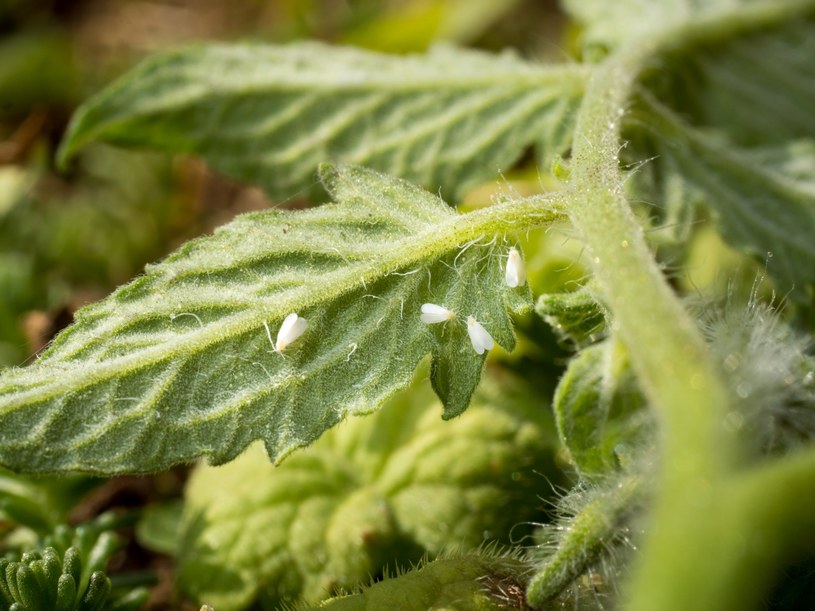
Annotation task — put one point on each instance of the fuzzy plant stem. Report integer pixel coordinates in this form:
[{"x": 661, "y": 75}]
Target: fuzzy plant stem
[
  {"x": 588, "y": 536},
  {"x": 682, "y": 551},
  {"x": 672, "y": 362}
]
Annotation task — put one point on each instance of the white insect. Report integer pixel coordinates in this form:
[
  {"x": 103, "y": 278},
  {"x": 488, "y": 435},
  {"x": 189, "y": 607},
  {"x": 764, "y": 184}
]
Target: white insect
[
  {"x": 432, "y": 313},
  {"x": 293, "y": 327},
  {"x": 479, "y": 337},
  {"x": 515, "y": 272}
]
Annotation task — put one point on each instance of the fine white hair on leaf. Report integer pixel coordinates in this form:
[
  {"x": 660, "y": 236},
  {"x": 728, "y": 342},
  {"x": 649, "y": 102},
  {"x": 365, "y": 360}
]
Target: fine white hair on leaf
[
  {"x": 479, "y": 337},
  {"x": 293, "y": 327},
  {"x": 432, "y": 313},
  {"x": 195, "y": 316},
  {"x": 516, "y": 272},
  {"x": 268, "y": 333}
]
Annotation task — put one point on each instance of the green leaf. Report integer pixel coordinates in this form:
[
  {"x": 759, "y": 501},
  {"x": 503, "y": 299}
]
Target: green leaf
[
  {"x": 158, "y": 527},
  {"x": 598, "y": 409},
  {"x": 762, "y": 199},
  {"x": 269, "y": 115},
  {"x": 615, "y": 23},
  {"x": 752, "y": 90},
  {"x": 576, "y": 316},
  {"x": 726, "y": 124},
  {"x": 378, "y": 490},
  {"x": 180, "y": 363}
]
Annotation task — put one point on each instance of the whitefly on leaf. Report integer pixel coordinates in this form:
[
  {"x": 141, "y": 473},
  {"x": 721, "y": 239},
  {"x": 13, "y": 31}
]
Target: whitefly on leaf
[
  {"x": 292, "y": 327},
  {"x": 179, "y": 364},
  {"x": 515, "y": 271},
  {"x": 432, "y": 313},
  {"x": 479, "y": 337}
]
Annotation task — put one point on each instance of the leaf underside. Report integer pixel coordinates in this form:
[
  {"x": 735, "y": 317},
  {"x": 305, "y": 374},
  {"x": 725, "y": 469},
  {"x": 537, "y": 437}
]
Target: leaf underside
[
  {"x": 268, "y": 115},
  {"x": 179, "y": 364},
  {"x": 729, "y": 126},
  {"x": 599, "y": 409}
]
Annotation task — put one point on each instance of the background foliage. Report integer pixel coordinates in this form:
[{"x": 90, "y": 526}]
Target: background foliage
[{"x": 548, "y": 489}]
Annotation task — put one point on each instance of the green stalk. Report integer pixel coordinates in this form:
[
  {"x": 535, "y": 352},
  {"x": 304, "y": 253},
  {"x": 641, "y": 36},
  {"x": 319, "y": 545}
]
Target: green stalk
[
  {"x": 732, "y": 554},
  {"x": 673, "y": 365},
  {"x": 667, "y": 351},
  {"x": 589, "y": 535},
  {"x": 685, "y": 547}
]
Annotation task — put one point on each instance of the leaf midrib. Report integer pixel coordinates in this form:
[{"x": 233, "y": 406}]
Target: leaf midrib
[
  {"x": 426, "y": 245},
  {"x": 532, "y": 77},
  {"x": 529, "y": 76}
]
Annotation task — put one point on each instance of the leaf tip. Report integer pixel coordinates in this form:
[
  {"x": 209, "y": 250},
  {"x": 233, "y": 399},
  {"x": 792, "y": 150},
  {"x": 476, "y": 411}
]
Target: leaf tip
[
  {"x": 72, "y": 141},
  {"x": 326, "y": 171},
  {"x": 65, "y": 152}
]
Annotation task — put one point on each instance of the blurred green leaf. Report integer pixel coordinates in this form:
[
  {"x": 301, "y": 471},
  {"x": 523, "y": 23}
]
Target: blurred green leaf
[
  {"x": 762, "y": 199},
  {"x": 269, "y": 115},
  {"x": 370, "y": 493},
  {"x": 158, "y": 528},
  {"x": 753, "y": 90},
  {"x": 726, "y": 125},
  {"x": 417, "y": 24},
  {"x": 36, "y": 68},
  {"x": 611, "y": 24}
]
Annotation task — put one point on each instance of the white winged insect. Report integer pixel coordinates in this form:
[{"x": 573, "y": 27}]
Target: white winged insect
[
  {"x": 432, "y": 313},
  {"x": 479, "y": 337},
  {"x": 516, "y": 272},
  {"x": 293, "y": 327}
]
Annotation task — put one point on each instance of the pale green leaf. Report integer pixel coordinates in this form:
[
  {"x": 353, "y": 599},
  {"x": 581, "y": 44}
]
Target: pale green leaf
[
  {"x": 269, "y": 115},
  {"x": 611, "y": 23},
  {"x": 614, "y": 23},
  {"x": 180, "y": 364},
  {"x": 370, "y": 493},
  {"x": 598, "y": 409},
  {"x": 457, "y": 582}
]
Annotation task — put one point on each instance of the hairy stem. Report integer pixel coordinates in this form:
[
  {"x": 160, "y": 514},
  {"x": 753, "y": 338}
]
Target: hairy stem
[
  {"x": 673, "y": 365},
  {"x": 587, "y": 536},
  {"x": 667, "y": 352}
]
